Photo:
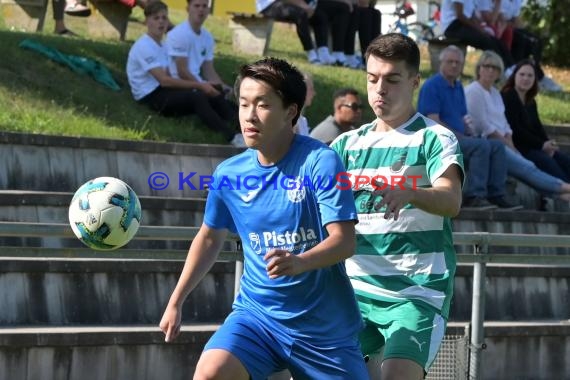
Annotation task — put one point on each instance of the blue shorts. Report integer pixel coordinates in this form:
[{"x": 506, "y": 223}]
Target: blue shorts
[{"x": 264, "y": 350}]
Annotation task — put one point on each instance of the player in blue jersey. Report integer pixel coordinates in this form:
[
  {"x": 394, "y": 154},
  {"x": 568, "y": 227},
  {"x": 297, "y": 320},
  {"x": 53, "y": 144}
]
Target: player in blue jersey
[{"x": 296, "y": 308}]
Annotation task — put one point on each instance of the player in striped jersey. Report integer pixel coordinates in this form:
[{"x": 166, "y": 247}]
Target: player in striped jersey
[{"x": 411, "y": 172}]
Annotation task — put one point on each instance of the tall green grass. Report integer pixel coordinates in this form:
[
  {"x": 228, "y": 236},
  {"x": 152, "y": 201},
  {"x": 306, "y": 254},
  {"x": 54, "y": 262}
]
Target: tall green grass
[{"x": 41, "y": 96}]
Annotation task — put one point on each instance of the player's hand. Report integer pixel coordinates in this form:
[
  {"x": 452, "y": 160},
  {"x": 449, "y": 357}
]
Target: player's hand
[
  {"x": 282, "y": 263},
  {"x": 394, "y": 199},
  {"x": 170, "y": 323}
]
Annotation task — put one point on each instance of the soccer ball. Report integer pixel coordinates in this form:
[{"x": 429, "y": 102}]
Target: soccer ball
[{"x": 105, "y": 213}]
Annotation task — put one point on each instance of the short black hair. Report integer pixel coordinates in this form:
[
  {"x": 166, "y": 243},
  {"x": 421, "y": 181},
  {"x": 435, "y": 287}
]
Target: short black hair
[
  {"x": 285, "y": 79},
  {"x": 396, "y": 47}
]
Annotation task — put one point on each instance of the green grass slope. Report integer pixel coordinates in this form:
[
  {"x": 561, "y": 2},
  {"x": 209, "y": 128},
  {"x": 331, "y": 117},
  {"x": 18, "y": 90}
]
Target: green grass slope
[{"x": 38, "y": 95}]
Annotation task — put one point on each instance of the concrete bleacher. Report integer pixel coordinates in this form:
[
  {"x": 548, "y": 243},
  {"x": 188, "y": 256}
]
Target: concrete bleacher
[{"x": 63, "y": 311}]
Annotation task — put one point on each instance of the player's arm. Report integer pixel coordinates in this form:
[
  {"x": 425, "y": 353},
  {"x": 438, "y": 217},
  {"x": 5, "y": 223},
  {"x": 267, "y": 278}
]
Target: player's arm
[
  {"x": 201, "y": 257},
  {"x": 338, "y": 246},
  {"x": 443, "y": 198}
]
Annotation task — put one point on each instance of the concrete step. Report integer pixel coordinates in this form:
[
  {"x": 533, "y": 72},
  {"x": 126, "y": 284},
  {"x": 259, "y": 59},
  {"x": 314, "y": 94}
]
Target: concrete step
[
  {"x": 100, "y": 353},
  {"x": 515, "y": 292},
  {"x": 62, "y": 291},
  {"x": 535, "y": 350},
  {"x": 52, "y": 207},
  {"x": 40, "y": 291}
]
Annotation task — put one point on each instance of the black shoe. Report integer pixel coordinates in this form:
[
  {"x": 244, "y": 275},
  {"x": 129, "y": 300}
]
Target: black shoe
[
  {"x": 478, "y": 203},
  {"x": 503, "y": 204}
]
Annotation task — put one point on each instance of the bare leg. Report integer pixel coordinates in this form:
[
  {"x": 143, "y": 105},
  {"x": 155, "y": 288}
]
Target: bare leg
[
  {"x": 220, "y": 365},
  {"x": 401, "y": 369},
  {"x": 374, "y": 366}
]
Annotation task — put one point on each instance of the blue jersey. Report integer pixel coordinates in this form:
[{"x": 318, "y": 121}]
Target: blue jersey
[{"x": 287, "y": 206}]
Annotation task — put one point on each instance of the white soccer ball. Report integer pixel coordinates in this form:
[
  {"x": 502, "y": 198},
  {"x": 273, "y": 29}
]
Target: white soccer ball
[{"x": 105, "y": 213}]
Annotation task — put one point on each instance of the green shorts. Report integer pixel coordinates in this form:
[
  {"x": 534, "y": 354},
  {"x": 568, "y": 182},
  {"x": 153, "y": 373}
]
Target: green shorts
[{"x": 405, "y": 330}]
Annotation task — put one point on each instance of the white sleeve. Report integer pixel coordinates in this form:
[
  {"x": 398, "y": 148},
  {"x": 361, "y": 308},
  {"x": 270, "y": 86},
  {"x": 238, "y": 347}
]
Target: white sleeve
[
  {"x": 477, "y": 109},
  {"x": 148, "y": 57},
  {"x": 177, "y": 45}
]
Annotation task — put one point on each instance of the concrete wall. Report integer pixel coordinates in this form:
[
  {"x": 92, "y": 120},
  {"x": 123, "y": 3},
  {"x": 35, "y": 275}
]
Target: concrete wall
[
  {"x": 531, "y": 351},
  {"x": 36, "y": 291},
  {"x": 55, "y": 292},
  {"x": 100, "y": 353},
  {"x": 57, "y": 163}
]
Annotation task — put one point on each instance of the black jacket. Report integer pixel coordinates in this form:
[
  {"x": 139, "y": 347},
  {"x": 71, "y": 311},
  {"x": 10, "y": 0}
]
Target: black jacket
[{"x": 528, "y": 131}]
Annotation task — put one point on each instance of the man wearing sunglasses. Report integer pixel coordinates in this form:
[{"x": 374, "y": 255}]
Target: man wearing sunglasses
[{"x": 346, "y": 116}]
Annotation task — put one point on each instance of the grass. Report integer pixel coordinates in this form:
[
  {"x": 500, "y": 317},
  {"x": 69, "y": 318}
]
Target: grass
[{"x": 41, "y": 96}]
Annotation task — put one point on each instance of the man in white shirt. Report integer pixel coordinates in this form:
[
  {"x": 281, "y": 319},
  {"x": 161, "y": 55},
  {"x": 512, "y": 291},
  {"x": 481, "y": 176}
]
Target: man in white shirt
[
  {"x": 151, "y": 83},
  {"x": 191, "y": 55}
]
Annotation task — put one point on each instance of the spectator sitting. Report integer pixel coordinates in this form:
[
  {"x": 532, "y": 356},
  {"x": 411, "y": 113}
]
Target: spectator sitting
[
  {"x": 529, "y": 137},
  {"x": 458, "y": 21},
  {"x": 303, "y": 15},
  {"x": 526, "y": 44},
  {"x": 442, "y": 99},
  {"x": 485, "y": 105},
  {"x": 191, "y": 57},
  {"x": 302, "y": 126},
  {"x": 151, "y": 84},
  {"x": 346, "y": 116}
]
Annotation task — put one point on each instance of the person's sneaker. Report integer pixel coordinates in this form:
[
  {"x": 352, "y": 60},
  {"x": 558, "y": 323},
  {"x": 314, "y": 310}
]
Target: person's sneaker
[
  {"x": 238, "y": 141},
  {"x": 503, "y": 204},
  {"x": 313, "y": 58},
  {"x": 477, "y": 203},
  {"x": 353, "y": 62},
  {"x": 325, "y": 56},
  {"x": 548, "y": 84},
  {"x": 77, "y": 9}
]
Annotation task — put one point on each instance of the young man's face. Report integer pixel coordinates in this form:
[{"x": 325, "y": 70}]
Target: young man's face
[
  {"x": 198, "y": 11},
  {"x": 390, "y": 89},
  {"x": 157, "y": 23},
  {"x": 265, "y": 122}
]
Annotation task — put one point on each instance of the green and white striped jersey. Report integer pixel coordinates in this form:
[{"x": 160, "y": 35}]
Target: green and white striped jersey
[{"x": 411, "y": 258}]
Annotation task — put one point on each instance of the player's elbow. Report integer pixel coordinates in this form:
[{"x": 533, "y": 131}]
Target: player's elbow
[
  {"x": 453, "y": 207},
  {"x": 349, "y": 246}
]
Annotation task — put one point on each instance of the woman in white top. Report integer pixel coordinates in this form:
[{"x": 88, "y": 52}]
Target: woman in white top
[
  {"x": 485, "y": 106},
  {"x": 152, "y": 84}
]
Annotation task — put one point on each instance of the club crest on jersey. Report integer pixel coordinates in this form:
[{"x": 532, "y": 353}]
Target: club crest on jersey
[
  {"x": 255, "y": 242},
  {"x": 398, "y": 165},
  {"x": 295, "y": 190}
]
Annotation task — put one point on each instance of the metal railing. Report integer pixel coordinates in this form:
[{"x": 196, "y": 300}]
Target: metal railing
[{"x": 480, "y": 257}]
